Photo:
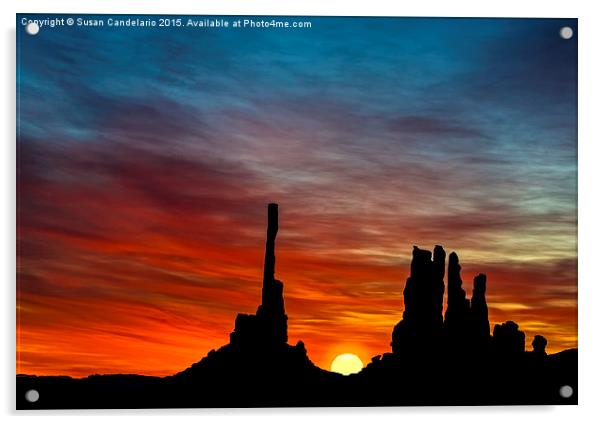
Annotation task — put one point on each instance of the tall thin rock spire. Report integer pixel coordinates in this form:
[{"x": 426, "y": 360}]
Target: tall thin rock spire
[{"x": 268, "y": 294}]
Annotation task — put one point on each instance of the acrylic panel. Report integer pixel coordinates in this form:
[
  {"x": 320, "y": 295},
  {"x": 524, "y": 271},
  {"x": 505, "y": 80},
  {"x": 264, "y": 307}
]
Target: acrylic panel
[{"x": 253, "y": 211}]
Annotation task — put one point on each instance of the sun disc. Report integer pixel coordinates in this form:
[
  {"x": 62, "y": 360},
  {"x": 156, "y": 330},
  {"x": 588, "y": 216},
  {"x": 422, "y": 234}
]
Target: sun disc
[{"x": 346, "y": 363}]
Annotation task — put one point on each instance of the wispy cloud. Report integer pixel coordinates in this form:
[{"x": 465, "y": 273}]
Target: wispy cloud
[{"x": 143, "y": 180}]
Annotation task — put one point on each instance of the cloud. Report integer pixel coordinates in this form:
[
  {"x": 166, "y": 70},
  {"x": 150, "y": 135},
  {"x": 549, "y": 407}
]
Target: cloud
[
  {"x": 428, "y": 125},
  {"x": 142, "y": 189}
]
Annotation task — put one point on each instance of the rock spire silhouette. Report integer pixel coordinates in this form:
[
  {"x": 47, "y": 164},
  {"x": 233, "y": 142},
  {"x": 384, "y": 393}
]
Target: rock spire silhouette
[
  {"x": 457, "y": 314},
  {"x": 268, "y": 327},
  {"x": 422, "y": 328},
  {"x": 422, "y": 323}
]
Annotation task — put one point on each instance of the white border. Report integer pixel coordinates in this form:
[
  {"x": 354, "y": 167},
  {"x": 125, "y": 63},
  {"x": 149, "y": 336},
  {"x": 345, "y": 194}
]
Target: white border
[{"x": 590, "y": 138}]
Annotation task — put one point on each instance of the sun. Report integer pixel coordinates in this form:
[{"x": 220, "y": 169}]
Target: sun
[{"x": 346, "y": 363}]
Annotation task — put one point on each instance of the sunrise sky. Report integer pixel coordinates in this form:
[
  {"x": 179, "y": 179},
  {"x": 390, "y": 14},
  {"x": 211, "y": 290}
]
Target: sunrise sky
[{"x": 146, "y": 158}]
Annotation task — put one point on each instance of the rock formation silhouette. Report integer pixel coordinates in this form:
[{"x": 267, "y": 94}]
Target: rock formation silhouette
[
  {"x": 258, "y": 350},
  {"x": 430, "y": 355},
  {"x": 457, "y": 315},
  {"x": 423, "y": 329},
  {"x": 422, "y": 323},
  {"x": 539, "y": 345},
  {"x": 479, "y": 313},
  {"x": 508, "y": 340},
  {"x": 434, "y": 361},
  {"x": 267, "y": 329}
]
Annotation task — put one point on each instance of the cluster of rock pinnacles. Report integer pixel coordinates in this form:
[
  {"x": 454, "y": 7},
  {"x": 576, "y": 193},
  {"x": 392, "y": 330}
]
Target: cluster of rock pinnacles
[{"x": 423, "y": 328}]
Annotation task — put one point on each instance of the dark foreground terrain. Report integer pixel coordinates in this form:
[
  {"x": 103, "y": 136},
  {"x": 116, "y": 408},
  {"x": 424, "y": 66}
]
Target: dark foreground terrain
[
  {"x": 435, "y": 358},
  {"x": 385, "y": 385}
]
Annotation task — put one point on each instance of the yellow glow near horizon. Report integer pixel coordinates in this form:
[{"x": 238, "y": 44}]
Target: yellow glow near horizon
[{"x": 346, "y": 363}]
